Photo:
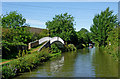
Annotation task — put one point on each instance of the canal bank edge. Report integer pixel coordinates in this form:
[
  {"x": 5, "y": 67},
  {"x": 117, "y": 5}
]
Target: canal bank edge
[
  {"x": 24, "y": 64},
  {"x": 31, "y": 61}
]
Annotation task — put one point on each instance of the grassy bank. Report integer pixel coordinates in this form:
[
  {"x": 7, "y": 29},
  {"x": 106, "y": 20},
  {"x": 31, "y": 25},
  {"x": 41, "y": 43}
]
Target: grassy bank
[
  {"x": 32, "y": 50},
  {"x": 26, "y": 63},
  {"x": 30, "y": 61}
]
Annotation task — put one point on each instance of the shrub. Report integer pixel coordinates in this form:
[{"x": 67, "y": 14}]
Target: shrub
[
  {"x": 22, "y": 53},
  {"x": 25, "y": 63},
  {"x": 112, "y": 46},
  {"x": 14, "y": 40},
  {"x": 8, "y": 72},
  {"x": 70, "y": 47},
  {"x": 55, "y": 49},
  {"x": 10, "y": 50}
]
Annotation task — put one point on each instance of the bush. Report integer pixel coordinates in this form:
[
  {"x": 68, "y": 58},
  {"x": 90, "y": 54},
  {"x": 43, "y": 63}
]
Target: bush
[
  {"x": 112, "y": 46},
  {"x": 55, "y": 49},
  {"x": 22, "y": 53},
  {"x": 14, "y": 40},
  {"x": 10, "y": 50},
  {"x": 25, "y": 63},
  {"x": 70, "y": 47},
  {"x": 8, "y": 72}
]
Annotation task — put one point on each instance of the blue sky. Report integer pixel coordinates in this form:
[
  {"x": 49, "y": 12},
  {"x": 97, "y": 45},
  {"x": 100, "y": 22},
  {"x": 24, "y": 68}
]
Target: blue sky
[{"x": 37, "y": 13}]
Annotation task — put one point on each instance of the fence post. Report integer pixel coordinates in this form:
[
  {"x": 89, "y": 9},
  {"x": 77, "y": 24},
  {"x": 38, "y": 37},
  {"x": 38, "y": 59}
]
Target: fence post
[{"x": 29, "y": 45}]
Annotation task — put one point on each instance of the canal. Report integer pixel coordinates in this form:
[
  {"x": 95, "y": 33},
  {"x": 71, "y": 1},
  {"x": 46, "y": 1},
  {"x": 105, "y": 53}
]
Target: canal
[{"x": 85, "y": 63}]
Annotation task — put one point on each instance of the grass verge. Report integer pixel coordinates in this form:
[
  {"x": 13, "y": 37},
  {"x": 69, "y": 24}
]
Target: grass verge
[
  {"x": 30, "y": 51},
  {"x": 26, "y": 63}
]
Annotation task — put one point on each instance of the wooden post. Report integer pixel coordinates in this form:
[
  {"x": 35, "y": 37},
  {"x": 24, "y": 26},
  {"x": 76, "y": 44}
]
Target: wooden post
[{"x": 29, "y": 45}]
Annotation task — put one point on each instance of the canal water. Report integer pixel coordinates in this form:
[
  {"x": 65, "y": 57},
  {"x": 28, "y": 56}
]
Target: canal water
[{"x": 89, "y": 62}]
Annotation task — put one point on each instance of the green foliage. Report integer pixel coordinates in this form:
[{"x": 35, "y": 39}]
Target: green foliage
[
  {"x": 55, "y": 51},
  {"x": 43, "y": 33},
  {"x": 62, "y": 26},
  {"x": 25, "y": 63},
  {"x": 9, "y": 50},
  {"x": 70, "y": 47},
  {"x": 27, "y": 52},
  {"x": 112, "y": 46},
  {"x": 12, "y": 20},
  {"x": 19, "y": 54},
  {"x": 113, "y": 37},
  {"x": 22, "y": 34},
  {"x": 13, "y": 35},
  {"x": 83, "y": 38},
  {"x": 8, "y": 72},
  {"x": 14, "y": 38},
  {"x": 22, "y": 53},
  {"x": 103, "y": 23}
]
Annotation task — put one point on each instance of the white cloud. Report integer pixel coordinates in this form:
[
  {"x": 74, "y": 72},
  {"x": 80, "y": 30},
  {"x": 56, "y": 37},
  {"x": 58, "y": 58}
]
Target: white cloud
[{"x": 60, "y": 0}]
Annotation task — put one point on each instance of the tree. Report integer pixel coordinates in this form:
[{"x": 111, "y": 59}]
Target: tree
[
  {"x": 20, "y": 34},
  {"x": 12, "y": 20},
  {"x": 103, "y": 23},
  {"x": 12, "y": 39},
  {"x": 62, "y": 26},
  {"x": 43, "y": 33},
  {"x": 83, "y": 37},
  {"x": 113, "y": 43}
]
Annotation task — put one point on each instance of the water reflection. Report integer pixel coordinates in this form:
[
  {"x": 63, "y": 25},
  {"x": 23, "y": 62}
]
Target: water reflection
[
  {"x": 92, "y": 51},
  {"x": 83, "y": 66},
  {"x": 56, "y": 65},
  {"x": 67, "y": 69},
  {"x": 104, "y": 65},
  {"x": 85, "y": 63}
]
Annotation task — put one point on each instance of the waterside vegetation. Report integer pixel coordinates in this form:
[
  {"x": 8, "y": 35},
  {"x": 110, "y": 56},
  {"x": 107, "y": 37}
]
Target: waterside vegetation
[
  {"x": 104, "y": 32},
  {"x": 25, "y": 63},
  {"x": 16, "y": 36}
]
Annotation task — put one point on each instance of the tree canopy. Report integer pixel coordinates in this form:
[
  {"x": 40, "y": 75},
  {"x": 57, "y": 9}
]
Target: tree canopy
[
  {"x": 83, "y": 37},
  {"x": 12, "y": 20},
  {"x": 103, "y": 23},
  {"x": 62, "y": 26}
]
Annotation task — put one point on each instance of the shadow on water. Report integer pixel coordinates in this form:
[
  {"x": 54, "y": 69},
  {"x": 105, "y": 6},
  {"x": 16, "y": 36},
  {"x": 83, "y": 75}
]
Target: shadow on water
[{"x": 85, "y": 63}]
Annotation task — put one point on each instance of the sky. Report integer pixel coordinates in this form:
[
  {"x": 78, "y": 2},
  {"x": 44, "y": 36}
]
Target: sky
[
  {"x": 60, "y": 0},
  {"x": 37, "y": 13}
]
